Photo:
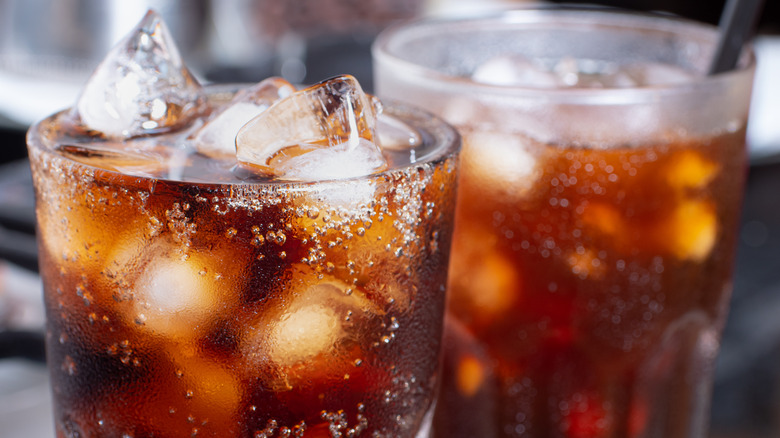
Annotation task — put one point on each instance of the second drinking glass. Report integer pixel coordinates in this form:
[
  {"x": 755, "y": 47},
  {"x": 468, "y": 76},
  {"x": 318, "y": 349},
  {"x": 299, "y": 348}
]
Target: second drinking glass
[{"x": 600, "y": 189}]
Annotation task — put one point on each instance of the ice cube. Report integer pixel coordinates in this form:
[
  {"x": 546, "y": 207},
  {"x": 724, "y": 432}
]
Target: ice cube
[
  {"x": 350, "y": 195},
  {"x": 691, "y": 231},
  {"x": 690, "y": 170},
  {"x": 484, "y": 284},
  {"x": 497, "y": 282},
  {"x": 653, "y": 73},
  {"x": 518, "y": 71},
  {"x": 213, "y": 390},
  {"x": 619, "y": 79},
  {"x": 327, "y": 131},
  {"x": 74, "y": 227},
  {"x": 515, "y": 70},
  {"x": 606, "y": 219},
  {"x": 144, "y": 158},
  {"x": 68, "y": 232},
  {"x": 503, "y": 161},
  {"x": 470, "y": 375},
  {"x": 340, "y": 161},
  {"x": 315, "y": 323},
  {"x": 568, "y": 72},
  {"x": 305, "y": 332},
  {"x": 141, "y": 87},
  {"x": 589, "y": 73},
  {"x": 172, "y": 289},
  {"x": 396, "y": 135},
  {"x": 175, "y": 292},
  {"x": 610, "y": 75},
  {"x": 218, "y": 137},
  {"x": 312, "y": 333}
]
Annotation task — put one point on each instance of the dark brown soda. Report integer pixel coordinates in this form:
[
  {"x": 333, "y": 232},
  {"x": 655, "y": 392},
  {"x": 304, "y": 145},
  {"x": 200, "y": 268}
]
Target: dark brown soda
[
  {"x": 597, "y": 280},
  {"x": 239, "y": 308}
]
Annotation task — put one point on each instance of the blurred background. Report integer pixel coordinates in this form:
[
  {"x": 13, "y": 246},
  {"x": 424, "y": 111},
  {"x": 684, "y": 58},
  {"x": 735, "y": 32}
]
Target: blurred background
[{"x": 48, "y": 49}]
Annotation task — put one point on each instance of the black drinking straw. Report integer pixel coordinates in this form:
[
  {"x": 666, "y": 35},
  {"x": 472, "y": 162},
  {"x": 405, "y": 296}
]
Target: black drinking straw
[{"x": 736, "y": 26}]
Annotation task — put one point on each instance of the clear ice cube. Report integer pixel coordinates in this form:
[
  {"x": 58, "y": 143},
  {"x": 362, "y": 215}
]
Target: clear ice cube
[
  {"x": 218, "y": 137},
  {"x": 690, "y": 170},
  {"x": 304, "y": 332},
  {"x": 327, "y": 131},
  {"x": 514, "y": 70},
  {"x": 568, "y": 72},
  {"x": 397, "y": 136},
  {"x": 141, "y": 87},
  {"x": 504, "y": 160},
  {"x": 349, "y": 195}
]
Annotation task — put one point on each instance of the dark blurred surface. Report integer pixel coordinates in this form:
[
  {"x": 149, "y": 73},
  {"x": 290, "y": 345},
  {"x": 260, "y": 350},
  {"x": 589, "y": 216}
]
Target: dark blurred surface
[
  {"x": 12, "y": 146},
  {"x": 747, "y": 383},
  {"x": 706, "y": 11}
]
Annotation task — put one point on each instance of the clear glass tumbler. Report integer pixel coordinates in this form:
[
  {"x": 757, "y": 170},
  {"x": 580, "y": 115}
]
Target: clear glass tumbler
[
  {"x": 599, "y": 197},
  {"x": 184, "y": 298}
]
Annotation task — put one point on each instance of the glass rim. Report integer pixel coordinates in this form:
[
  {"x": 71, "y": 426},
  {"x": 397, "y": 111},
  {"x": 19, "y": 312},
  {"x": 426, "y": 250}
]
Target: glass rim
[
  {"x": 556, "y": 15},
  {"x": 446, "y": 145}
]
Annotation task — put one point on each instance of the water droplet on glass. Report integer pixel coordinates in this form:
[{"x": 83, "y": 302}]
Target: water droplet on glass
[{"x": 69, "y": 366}]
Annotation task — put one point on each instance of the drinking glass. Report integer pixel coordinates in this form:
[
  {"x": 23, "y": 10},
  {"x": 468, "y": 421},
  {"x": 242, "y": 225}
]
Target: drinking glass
[
  {"x": 185, "y": 297},
  {"x": 599, "y": 196}
]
